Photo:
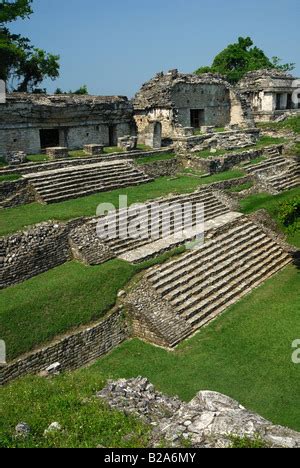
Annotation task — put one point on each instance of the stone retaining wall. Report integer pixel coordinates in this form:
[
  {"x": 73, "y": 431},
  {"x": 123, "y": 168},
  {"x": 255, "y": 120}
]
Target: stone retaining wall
[
  {"x": 213, "y": 165},
  {"x": 187, "y": 143},
  {"x": 167, "y": 167},
  {"x": 30, "y": 168},
  {"x": 15, "y": 193},
  {"x": 72, "y": 351},
  {"x": 34, "y": 251}
]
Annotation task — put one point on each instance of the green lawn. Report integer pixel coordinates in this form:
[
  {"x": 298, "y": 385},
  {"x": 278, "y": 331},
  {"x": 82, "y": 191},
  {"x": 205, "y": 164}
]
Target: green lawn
[
  {"x": 245, "y": 353},
  {"x": 158, "y": 157},
  {"x": 291, "y": 124},
  {"x": 70, "y": 400},
  {"x": 34, "y": 312},
  {"x": 8, "y": 178},
  {"x": 14, "y": 219},
  {"x": 271, "y": 204}
]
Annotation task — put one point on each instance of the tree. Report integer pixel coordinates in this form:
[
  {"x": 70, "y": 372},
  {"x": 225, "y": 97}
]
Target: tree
[
  {"x": 20, "y": 61},
  {"x": 10, "y": 11},
  {"x": 240, "y": 58},
  {"x": 83, "y": 90}
]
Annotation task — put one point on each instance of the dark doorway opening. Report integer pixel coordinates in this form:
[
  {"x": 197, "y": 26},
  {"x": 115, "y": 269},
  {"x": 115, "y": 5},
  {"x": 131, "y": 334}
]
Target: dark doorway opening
[
  {"x": 278, "y": 102},
  {"x": 49, "y": 138},
  {"x": 197, "y": 118},
  {"x": 290, "y": 101},
  {"x": 113, "y": 139}
]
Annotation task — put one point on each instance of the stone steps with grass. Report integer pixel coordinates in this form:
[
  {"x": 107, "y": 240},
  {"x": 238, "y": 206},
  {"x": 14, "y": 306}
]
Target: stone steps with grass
[
  {"x": 65, "y": 184},
  {"x": 200, "y": 285}
]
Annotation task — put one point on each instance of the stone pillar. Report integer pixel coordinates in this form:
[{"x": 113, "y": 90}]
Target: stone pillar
[
  {"x": 94, "y": 150},
  {"x": 153, "y": 135},
  {"x": 58, "y": 152}
]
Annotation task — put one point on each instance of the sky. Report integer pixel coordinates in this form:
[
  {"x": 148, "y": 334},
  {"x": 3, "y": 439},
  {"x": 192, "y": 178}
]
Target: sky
[{"x": 114, "y": 46}]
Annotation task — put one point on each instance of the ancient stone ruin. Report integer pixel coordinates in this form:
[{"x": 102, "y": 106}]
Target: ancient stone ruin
[
  {"x": 210, "y": 420},
  {"x": 271, "y": 93},
  {"x": 63, "y": 121},
  {"x": 178, "y": 101}
]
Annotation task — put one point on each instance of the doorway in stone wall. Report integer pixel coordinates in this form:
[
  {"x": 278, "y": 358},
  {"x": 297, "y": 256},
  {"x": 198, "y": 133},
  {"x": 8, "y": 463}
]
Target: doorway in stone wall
[
  {"x": 197, "y": 118},
  {"x": 49, "y": 138},
  {"x": 113, "y": 137}
]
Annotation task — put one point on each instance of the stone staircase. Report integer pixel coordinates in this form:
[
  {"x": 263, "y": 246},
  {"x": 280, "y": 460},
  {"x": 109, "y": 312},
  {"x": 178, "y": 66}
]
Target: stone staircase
[
  {"x": 79, "y": 181},
  {"x": 286, "y": 180},
  {"x": 272, "y": 164},
  {"x": 89, "y": 248},
  {"x": 277, "y": 173},
  {"x": 203, "y": 283}
]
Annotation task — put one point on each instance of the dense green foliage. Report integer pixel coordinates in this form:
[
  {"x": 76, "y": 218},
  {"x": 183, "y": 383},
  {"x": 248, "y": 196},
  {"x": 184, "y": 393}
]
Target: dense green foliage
[
  {"x": 240, "y": 58},
  {"x": 20, "y": 61},
  {"x": 289, "y": 214}
]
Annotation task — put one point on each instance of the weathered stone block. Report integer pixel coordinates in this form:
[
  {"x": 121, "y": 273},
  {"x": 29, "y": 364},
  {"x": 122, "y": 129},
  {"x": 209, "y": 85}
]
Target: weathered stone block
[
  {"x": 94, "y": 150},
  {"x": 57, "y": 152},
  {"x": 127, "y": 143},
  {"x": 207, "y": 129},
  {"x": 14, "y": 158}
]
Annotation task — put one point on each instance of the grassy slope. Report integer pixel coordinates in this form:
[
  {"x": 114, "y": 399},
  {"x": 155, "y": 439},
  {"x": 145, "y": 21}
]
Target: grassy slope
[
  {"x": 271, "y": 204},
  {"x": 14, "y": 219},
  {"x": 34, "y": 312},
  {"x": 158, "y": 157},
  {"x": 245, "y": 353},
  {"x": 87, "y": 422}
]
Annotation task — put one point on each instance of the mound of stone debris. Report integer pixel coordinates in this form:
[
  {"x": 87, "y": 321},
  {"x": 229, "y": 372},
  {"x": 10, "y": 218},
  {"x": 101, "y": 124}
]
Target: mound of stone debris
[{"x": 210, "y": 420}]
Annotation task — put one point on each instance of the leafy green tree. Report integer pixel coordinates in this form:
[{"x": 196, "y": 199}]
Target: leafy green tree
[
  {"x": 20, "y": 61},
  {"x": 83, "y": 90},
  {"x": 240, "y": 58}
]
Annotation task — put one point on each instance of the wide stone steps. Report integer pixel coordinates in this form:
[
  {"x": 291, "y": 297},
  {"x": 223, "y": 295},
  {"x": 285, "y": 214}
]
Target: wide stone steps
[
  {"x": 203, "y": 283},
  {"x": 212, "y": 262},
  {"x": 286, "y": 180},
  {"x": 122, "y": 244},
  {"x": 229, "y": 296},
  {"x": 274, "y": 162},
  {"x": 171, "y": 272},
  {"x": 75, "y": 182},
  {"x": 203, "y": 293}
]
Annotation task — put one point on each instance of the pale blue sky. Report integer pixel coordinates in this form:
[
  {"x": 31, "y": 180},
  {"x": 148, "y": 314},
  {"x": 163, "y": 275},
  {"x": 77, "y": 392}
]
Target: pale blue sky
[{"x": 113, "y": 46}]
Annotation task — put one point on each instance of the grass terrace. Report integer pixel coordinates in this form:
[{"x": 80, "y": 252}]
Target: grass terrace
[
  {"x": 15, "y": 219},
  {"x": 37, "y": 158},
  {"x": 158, "y": 157},
  {"x": 245, "y": 353},
  {"x": 290, "y": 124},
  {"x": 9, "y": 178},
  {"x": 262, "y": 142},
  {"x": 66, "y": 297}
]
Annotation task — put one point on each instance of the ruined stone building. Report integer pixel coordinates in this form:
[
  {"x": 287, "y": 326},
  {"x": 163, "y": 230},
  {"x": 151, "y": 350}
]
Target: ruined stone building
[
  {"x": 170, "y": 102},
  {"x": 32, "y": 122},
  {"x": 271, "y": 93}
]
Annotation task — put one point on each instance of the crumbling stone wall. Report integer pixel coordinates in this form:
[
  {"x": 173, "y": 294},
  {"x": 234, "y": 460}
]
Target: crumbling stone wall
[
  {"x": 79, "y": 120},
  {"x": 170, "y": 98},
  {"x": 213, "y": 165},
  {"x": 72, "y": 351},
  {"x": 29, "y": 253},
  {"x": 15, "y": 193},
  {"x": 156, "y": 169}
]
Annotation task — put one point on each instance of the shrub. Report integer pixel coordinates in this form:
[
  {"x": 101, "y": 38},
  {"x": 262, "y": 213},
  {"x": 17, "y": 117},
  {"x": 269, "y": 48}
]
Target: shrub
[{"x": 289, "y": 214}]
